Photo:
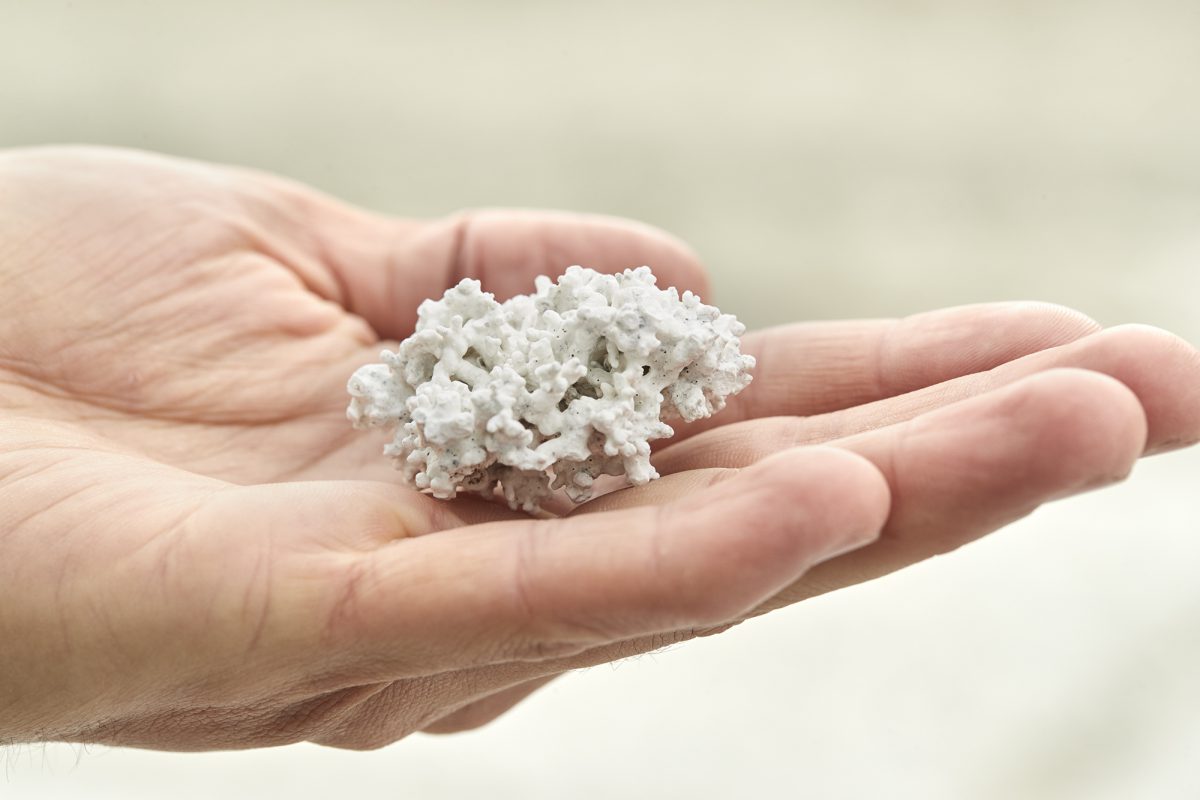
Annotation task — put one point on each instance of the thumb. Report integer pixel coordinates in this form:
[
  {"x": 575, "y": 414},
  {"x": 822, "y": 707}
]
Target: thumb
[{"x": 534, "y": 589}]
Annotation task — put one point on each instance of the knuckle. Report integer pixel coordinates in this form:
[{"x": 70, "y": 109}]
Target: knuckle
[
  {"x": 760, "y": 438},
  {"x": 319, "y": 715},
  {"x": 362, "y": 718},
  {"x": 344, "y": 614},
  {"x": 361, "y": 740}
]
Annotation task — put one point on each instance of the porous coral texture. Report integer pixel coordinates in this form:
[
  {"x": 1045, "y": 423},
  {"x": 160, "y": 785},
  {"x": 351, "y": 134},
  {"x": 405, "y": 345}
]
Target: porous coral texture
[{"x": 551, "y": 390}]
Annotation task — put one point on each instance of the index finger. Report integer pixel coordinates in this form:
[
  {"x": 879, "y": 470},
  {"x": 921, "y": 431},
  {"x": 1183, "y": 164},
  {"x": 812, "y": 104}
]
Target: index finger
[{"x": 383, "y": 267}]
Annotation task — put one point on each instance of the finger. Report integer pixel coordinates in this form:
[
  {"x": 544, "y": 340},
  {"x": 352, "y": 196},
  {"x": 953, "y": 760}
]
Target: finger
[
  {"x": 381, "y": 268},
  {"x": 817, "y": 367},
  {"x": 504, "y": 250},
  {"x": 531, "y": 590},
  {"x": 954, "y": 475},
  {"x": 1055, "y": 434},
  {"x": 1160, "y": 368}
]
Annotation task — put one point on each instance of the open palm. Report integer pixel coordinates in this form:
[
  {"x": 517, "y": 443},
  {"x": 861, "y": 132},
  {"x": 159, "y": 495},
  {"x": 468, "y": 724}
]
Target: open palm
[{"x": 197, "y": 551}]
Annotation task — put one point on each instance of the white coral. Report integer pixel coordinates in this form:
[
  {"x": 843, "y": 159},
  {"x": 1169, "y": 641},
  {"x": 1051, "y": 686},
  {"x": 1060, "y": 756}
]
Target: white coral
[{"x": 549, "y": 390}]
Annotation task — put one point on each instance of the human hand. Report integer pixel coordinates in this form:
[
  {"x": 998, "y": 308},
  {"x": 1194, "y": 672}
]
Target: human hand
[{"x": 197, "y": 552}]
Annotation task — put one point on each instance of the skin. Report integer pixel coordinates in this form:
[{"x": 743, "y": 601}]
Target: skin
[{"x": 197, "y": 551}]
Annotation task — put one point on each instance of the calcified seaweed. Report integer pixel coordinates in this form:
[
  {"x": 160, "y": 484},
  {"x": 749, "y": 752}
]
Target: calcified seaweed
[{"x": 550, "y": 390}]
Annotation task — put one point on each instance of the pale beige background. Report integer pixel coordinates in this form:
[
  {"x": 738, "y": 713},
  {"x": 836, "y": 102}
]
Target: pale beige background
[{"x": 827, "y": 159}]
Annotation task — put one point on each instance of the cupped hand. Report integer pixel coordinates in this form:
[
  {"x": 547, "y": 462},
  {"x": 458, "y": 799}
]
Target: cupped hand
[{"x": 196, "y": 551}]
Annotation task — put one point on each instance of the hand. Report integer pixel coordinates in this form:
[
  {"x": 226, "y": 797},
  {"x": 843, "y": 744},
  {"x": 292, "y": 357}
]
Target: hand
[{"x": 196, "y": 551}]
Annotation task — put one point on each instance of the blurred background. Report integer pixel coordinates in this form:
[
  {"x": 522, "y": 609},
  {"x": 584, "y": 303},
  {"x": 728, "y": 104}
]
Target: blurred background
[{"x": 852, "y": 159}]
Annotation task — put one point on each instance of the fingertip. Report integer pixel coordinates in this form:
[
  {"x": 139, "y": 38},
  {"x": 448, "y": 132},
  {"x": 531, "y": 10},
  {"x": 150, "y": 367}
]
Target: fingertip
[
  {"x": 1055, "y": 323},
  {"x": 675, "y": 261},
  {"x": 506, "y": 248},
  {"x": 827, "y": 489},
  {"x": 1163, "y": 370},
  {"x": 1092, "y": 424}
]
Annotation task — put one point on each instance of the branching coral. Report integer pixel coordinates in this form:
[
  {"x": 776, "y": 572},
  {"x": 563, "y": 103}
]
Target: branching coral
[{"x": 550, "y": 390}]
